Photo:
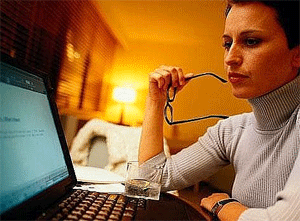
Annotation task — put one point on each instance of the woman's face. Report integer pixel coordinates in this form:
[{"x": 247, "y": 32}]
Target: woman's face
[{"x": 257, "y": 58}]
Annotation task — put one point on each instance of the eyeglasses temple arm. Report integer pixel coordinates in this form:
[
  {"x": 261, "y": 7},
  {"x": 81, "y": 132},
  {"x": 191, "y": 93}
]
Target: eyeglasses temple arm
[
  {"x": 207, "y": 73},
  {"x": 195, "y": 76},
  {"x": 196, "y": 119}
]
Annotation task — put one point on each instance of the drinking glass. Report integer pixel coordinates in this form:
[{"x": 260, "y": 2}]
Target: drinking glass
[{"x": 143, "y": 181}]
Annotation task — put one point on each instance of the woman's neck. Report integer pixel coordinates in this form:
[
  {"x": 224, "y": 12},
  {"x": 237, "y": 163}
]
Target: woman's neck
[{"x": 274, "y": 109}]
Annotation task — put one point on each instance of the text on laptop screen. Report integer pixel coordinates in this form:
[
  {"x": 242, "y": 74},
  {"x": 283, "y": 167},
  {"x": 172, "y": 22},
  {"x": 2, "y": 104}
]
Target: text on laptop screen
[{"x": 31, "y": 155}]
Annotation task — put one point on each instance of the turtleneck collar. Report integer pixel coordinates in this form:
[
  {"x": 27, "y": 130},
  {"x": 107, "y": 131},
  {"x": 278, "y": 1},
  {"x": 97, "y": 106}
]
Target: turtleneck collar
[{"x": 274, "y": 109}]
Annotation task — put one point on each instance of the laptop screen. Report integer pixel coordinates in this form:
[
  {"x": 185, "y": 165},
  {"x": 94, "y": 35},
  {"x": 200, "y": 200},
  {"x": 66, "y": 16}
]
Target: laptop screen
[{"x": 32, "y": 159}]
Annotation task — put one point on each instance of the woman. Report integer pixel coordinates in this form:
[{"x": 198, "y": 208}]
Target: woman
[{"x": 262, "y": 60}]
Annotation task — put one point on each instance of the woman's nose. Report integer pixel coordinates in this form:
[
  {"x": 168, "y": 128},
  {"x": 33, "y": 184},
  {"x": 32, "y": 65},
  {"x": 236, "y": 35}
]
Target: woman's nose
[{"x": 233, "y": 57}]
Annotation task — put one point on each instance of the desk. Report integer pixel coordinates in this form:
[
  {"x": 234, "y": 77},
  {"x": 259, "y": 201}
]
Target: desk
[{"x": 169, "y": 207}]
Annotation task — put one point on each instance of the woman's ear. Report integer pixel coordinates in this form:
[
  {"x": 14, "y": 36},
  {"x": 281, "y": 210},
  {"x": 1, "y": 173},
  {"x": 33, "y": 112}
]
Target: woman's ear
[{"x": 296, "y": 57}]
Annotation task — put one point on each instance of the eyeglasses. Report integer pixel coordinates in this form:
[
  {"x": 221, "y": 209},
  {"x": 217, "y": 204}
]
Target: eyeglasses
[{"x": 168, "y": 111}]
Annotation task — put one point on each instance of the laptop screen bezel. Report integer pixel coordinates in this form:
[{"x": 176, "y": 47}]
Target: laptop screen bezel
[{"x": 32, "y": 207}]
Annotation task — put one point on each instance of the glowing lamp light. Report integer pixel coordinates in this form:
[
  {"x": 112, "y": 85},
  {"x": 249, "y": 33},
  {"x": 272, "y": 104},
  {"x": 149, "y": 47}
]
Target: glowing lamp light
[{"x": 124, "y": 94}]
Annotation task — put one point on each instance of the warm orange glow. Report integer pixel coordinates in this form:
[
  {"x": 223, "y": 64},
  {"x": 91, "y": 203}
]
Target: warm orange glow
[
  {"x": 123, "y": 105},
  {"x": 124, "y": 94},
  {"x": 132, "y": 115}
]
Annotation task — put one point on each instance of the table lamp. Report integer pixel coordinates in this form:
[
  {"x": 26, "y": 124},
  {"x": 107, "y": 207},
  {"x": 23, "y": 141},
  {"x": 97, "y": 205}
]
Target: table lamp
[{"x": 124, "y": 96}]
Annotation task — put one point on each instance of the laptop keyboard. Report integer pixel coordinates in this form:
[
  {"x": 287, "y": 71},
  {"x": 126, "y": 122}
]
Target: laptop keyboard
[{"x": 87, "y": 205}]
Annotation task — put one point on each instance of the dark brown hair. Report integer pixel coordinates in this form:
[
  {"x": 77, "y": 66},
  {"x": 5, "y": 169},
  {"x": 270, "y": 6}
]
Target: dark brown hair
[{"x": 287, "y": 15}]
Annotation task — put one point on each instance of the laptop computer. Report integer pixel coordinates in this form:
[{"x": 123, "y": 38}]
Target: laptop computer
[{"x": 36, "y": 169}]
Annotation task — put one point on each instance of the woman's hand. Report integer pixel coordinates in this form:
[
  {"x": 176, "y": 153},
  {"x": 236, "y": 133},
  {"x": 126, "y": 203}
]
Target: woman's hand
[
  {"x": 210, "y": 201},
  {"x": 151, "y": 142},
  {"x": 229, "y": 212},
  {"x": 164, "y": 76}
]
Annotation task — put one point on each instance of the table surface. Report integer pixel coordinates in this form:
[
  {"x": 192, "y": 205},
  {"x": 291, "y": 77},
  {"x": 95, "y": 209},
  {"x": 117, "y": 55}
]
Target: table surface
[
  {"x": 171, "y": 207},
  {"x": 172, "y": 200}
]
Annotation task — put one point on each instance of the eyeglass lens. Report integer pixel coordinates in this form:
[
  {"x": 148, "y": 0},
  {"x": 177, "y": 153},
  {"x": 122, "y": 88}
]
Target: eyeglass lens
[{"x": 168, "y": 110}]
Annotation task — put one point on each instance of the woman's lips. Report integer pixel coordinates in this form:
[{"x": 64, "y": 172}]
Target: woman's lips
[{"x": 235, "y": 78}]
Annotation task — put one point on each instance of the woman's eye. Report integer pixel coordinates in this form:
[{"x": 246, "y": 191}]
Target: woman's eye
[
  {"x": 252, "y": 41},
  {"x": 227, "y": 45}
]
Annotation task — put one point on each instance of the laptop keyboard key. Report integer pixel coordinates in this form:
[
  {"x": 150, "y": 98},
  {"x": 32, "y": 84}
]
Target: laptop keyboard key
[{"x": 84, "y": 205}]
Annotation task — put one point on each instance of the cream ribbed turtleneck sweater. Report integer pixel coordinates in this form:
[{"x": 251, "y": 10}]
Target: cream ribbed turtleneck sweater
[{"x": 263, "y": 148}]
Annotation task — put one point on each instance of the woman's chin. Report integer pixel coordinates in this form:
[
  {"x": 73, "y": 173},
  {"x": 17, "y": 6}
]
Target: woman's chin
[{"x": 242, "y": 94}]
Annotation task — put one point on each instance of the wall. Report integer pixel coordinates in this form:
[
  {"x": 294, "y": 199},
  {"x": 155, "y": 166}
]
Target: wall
[
  {"x": 186, "y": 34},
  {"x": 200, "y": 97},
  {"x": 138, "y": 57}
]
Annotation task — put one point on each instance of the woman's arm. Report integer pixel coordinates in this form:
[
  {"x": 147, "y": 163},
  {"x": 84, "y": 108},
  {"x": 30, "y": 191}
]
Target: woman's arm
[
  {"x": 287, "y": 206},
  {"x": 152, "y": 131}
]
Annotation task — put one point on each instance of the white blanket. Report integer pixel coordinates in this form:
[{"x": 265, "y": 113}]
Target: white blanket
[{"x": 122, "y": 143}]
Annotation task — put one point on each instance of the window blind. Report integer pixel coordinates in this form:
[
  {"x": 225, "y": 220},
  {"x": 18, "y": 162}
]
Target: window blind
[{"x": 68, "y": 40}]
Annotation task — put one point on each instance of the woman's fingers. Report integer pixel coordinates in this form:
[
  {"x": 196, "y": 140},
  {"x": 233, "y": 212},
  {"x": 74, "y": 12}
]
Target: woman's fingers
[
  {"x": 173, "y": 75},
  {"x": 167, "y": 81},
  {"x": 188, "y": 76},
  {"x": 181, "y": 77},
  {"x": 157, "y": 78},
  {"x": 168, "y": 76}
]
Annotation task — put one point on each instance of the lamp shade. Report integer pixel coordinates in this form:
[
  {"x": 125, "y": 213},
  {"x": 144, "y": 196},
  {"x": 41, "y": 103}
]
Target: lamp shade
[{"x": 124, "y": 94}]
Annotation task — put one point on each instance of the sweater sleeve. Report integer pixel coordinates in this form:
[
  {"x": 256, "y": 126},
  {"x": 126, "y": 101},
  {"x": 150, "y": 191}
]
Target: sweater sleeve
[
  {"x": 287, "y": 206},
  {"x": 196, "y": 162}
]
